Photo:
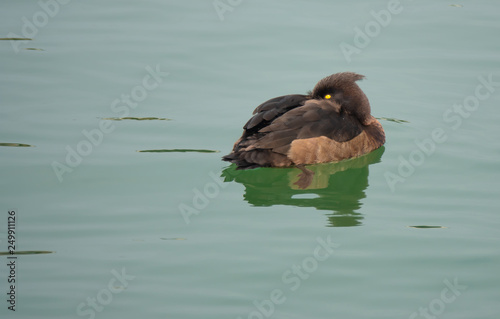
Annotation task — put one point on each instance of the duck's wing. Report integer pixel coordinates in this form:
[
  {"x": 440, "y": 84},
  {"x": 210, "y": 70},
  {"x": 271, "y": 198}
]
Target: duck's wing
[
  {"x": 315, "y": 118},
  {"x": 269, "y": 141}
]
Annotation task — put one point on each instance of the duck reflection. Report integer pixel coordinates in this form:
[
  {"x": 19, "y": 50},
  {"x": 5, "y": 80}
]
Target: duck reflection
[{"x": 337, "y": 187}]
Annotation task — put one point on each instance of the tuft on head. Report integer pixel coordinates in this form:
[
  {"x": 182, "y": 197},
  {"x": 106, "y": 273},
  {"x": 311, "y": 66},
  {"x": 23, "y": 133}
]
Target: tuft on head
[
  {"x": 337, "y": 80},
  {"x": 343, "y": 89}
]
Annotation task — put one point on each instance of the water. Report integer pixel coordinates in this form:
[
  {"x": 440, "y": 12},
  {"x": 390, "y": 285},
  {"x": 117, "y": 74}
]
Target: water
[{"x": 129, "y": 217}]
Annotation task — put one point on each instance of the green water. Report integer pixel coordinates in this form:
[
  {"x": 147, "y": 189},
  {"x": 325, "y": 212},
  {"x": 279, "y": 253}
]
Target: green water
[{"x": 114, "y": 117}]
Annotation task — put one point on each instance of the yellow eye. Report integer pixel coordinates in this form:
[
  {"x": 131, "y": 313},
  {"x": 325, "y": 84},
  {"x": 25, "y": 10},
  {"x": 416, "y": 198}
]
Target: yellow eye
[{"x": 328, "y": 96}]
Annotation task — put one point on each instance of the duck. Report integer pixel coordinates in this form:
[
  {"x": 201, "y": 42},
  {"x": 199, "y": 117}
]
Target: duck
[{"x": 331, "y": 123}]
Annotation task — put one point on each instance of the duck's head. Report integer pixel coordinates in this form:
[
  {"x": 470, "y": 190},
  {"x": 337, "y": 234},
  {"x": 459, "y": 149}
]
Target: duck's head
[{"x": 342, "y": 89}]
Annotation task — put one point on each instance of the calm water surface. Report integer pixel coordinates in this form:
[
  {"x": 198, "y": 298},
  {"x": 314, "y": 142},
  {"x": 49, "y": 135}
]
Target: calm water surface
[{"x": 113, "y": 119}]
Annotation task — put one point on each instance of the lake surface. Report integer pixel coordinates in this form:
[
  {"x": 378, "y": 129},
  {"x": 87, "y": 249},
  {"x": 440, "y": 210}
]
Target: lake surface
[{"x": 114, "y": 118}]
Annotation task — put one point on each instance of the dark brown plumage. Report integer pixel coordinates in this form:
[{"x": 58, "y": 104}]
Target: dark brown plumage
[{"x": 331, "y": 123}]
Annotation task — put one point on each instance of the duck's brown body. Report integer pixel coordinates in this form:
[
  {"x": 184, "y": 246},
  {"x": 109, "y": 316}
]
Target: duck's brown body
[{"x": 330, "y": 124}]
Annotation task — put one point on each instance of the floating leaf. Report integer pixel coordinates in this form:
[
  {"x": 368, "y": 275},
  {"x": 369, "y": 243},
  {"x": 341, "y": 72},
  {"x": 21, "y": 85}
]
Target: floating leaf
[
  {"x": 426, "y": 226},
  {"x": 26, "y": 252},
  {"x": 456, "y": 5},
  {"x": 179, "y": 150},
  {"x": 137, "y": 118},
  {"x": 173, "y": 238},
  {"x": 391, "y": 120},
  {"x": 15, "y": 39},
  {"x": 15, "y": 145}
]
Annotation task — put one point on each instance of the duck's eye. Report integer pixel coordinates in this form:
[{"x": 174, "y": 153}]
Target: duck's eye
[{"x": 328, "y": 96}]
